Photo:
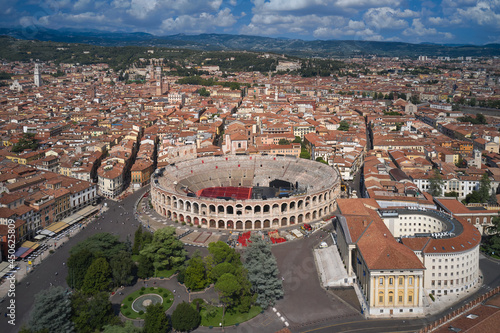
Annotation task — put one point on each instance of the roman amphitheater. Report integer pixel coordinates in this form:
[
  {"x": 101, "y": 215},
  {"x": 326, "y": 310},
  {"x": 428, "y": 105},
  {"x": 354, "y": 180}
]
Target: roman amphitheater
[{"x": 245, "y": 192}]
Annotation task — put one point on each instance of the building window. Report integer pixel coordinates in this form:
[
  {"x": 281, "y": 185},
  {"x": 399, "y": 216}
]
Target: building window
[
  {"x": 391, "y": 281},
  {"x": 381, "y": 281},
  {"x": 410, "y": 298},
  {"x": 400, "y": 298},
  {"x": 410, "y": 281}
]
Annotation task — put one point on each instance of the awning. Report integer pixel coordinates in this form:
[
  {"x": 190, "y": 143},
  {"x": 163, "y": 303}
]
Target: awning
[
  {"x": 20, "y": 251},
  {"x": 47, "y": 232},
  {"x": 27, "y": 253},
  {"x": 40, "y": 237},
  {"x": 57, "y": 227}
]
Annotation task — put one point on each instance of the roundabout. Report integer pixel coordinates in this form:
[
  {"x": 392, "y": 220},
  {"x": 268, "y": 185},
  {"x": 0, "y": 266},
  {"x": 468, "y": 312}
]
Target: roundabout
[
  {"x": 144, "y": 301},
  {"x": 134, "y": 304}
]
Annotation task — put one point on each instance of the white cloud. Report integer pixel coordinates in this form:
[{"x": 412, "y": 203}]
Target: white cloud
[
  {"x": 354, "y": 29},
  {"x": 232, "y": 2},
  {"x": 273, "y": 24},
  {"x": 483, "y": 13},
  {"x": 199, "y": 23},
  {"x": 418, "y": 29},
  {"x": 141, "y": 8},
  {"x": 367, "y": 3},
  {"x": 387, "y": 18}
]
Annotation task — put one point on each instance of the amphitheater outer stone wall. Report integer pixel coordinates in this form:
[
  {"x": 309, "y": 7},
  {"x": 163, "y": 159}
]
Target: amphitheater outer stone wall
[{"x": 173, "y": 188}]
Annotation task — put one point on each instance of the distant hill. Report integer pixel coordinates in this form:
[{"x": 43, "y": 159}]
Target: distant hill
[{"x": 295, "y": 47}]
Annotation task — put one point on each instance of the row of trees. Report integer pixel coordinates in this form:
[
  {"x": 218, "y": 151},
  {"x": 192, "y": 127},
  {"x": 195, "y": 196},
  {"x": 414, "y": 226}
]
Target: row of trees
[
  {"x": 58, "y": 310},
  {"x": 27, "y": 141},
  {"x": 100, "y": 263},
  {"x": 198, "y": 80},
  {"x": 478, "y": 120},
  {"x": 239, "y": 285}
]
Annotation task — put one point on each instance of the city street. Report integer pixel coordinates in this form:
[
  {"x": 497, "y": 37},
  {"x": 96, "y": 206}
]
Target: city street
[{"x": 44, "y": 274}]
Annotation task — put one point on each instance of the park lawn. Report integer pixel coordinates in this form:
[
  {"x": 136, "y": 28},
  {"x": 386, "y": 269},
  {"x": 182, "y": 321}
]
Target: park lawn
[
  {"x": 167, "y": 301},
  {"x": 164, "y": 273},
  {"x": 229, "y": 318}
]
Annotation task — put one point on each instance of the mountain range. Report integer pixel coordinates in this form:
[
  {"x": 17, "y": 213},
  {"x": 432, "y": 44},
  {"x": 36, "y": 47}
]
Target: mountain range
[{"x": 295, "y": 47}]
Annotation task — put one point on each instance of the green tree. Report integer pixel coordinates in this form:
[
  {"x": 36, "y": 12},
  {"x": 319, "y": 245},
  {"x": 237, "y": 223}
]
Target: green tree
[
  {"x": 221, "y": 269},
  {"x": 165, "y": 251},
  {"x": 480, "y": 118},
  {"x": 484, "y": 187},
  {"x": 27, "y": 141},
  {"x": 195, "y": 274},
  {"x": 343, "y": 126},
  {"x": 494, "y": 229},
  {"x": 78, "y": 263},
  {"x": 122, "y": 268},
  {"x": 221, "y": 252},
  {"x": 451, "y": 194},
  {"x": 263, "y": 272},
  {"x": 320, "y": 159},
  {"x": 52, "y": 311},
  {"x": 127, "y": 327},
  {"x": 185, "y": 318},
  {"x": 97, "y": 278},
  {"x": 283, "y": 142},
  {"x": 204, "y": 92},
  {"x": 145, "y": 267},
  {"x": 92, "y": 314},
  {"x": 229, "y": 290},
  {"x": 436, "y": 184},
  {"x": 305, "y": 154},
  {"x": 101, "y": 245},
  {"x": 137, "y": 240},
  {"x": 473, "y": 197},
  {"x": 155, "y": 320},
  {"x": 297, "y": 140}
]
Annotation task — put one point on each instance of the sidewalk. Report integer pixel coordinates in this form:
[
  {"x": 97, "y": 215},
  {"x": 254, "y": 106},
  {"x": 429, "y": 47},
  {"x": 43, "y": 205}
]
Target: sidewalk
[{"x": 52, "y": 244}]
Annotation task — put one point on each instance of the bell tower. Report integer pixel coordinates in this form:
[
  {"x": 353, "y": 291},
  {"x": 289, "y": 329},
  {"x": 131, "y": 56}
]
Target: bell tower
[
  {"x": 159, "y": 81},
  {"x": 37, "y": 76}
]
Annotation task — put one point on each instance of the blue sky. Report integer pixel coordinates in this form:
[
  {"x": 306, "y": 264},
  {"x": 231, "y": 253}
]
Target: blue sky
[{"x": 439, "y": 21}]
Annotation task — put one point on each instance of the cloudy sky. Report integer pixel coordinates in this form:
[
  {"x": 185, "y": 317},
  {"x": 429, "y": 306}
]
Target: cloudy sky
[{"x": 440, "y": 21}]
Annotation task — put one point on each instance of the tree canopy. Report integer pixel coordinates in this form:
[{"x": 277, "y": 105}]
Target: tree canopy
[
  {"x": 155, "y": 320},
  {"x": 185, "y": 318},
  {"x": 436, "y": 184},
  {"x": 263, "y": 272},
  {"x": 78, "y": 263},
  {"x": 91, "y": 314},
  {"x": 27, "y": 141},
  {"x": 343, "y": 126},
  {"x": 101, "y": 244},
  {"x": 165, "y": 251},
  {"x": 97, "y": 278},
  {"x": 195, "y": 274},
  {"x": 52, "y": 311}
]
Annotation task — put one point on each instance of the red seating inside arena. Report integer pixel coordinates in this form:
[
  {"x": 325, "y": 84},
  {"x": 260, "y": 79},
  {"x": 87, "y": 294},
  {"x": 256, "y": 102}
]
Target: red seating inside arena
[{"x": 237, "y": 193}]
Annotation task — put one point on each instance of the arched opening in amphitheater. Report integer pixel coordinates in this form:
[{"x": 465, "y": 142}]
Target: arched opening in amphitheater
[{"x": 177, "y": 192}]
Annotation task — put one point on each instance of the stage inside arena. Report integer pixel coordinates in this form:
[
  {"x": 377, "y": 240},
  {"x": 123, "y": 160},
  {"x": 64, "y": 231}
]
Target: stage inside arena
[
  {"x": 235, "y": 193},
  {"x": 242, "y": 193}
]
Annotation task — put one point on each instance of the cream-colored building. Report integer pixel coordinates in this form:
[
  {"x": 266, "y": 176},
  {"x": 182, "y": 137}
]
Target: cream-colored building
[{"x": 399, "y": 256}]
